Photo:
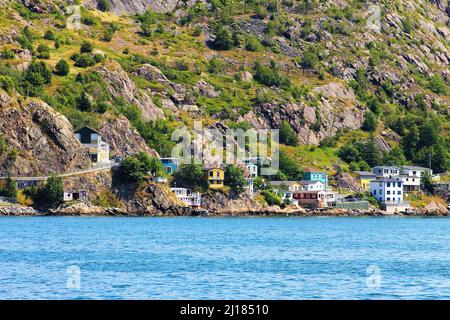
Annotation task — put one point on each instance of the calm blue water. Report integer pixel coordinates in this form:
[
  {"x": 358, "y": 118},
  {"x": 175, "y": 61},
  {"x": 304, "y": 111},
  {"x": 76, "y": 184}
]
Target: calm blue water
[{"x": 224, "y": 258}]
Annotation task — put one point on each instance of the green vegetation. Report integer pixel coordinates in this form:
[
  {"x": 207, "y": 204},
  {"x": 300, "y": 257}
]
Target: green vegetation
[
  {"x": 370, "y": 122},
  {"x": 191, "y": 176},
  {"x": 103, "y": 5},
  {"x": 48, "y": 195},
  {"x": 271, "y": 198},
  {"x": 285, "y": 45},
  {"x": 9, "y": 190},
  {"x": 234, "y": 178},
  {"x": 288, "y": 135},
  {"x": 138, "y": 167},
  {"x": 62, "y": 68}
]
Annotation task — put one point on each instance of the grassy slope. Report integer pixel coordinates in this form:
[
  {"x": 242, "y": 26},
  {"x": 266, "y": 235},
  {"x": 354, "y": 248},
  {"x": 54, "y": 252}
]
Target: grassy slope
[{"x": 184, "y": 46}]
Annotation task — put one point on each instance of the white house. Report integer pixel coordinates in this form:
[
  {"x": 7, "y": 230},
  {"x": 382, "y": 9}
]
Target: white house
[
  {"x": 91, "y": 140},
  {"x": 192, "y": 199},
  {"x": 386, "y": 171},
  {"x": 412, "y": 177},
  {"x": 308, "y": 185},
  {"x": 413, "y": 171},
  {"x": 389, "y": 193},
  {"x": 287, "y": 185},
  {"x": 71, "y": 195},
  {"x": 387, "y": 190},
  {"x": 410, "y": 183},
  {"x": 286, "y": 196}
]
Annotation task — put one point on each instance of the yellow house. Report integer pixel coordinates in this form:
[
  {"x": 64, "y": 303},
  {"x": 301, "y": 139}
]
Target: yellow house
[
  {"x": 215, "y": 177},
  {"x": 364, "y": 178}
]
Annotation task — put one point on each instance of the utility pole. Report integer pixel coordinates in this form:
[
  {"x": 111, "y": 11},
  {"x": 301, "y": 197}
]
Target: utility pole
[{"x": 429, "y": 160}]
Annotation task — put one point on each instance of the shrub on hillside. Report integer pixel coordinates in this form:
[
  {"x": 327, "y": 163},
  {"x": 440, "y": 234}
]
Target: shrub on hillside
[
  {"x": 139, "y": 166},
  {"x": 62, "y": 68}
]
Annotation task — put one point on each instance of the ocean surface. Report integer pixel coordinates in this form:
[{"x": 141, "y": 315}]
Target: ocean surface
[{"x": 224, "y": 258}]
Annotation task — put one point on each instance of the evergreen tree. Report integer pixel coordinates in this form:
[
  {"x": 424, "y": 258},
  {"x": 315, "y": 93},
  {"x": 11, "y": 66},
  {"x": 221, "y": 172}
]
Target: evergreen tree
[
  {"x": 223, "y": 40},
  {"x": 84, "y": 102},
  {"x": 62, "y": 68},
  {"x": 370, "y": 122},
  {"x": 428, "y": 134},
  {"x": 50, "y": 194},
  {"x": 372, "y": 153},
  {"x": 10, "y": 188},
  {"x": 410, "y": 142},
  {"x": 394, "y": 157},
  {"x": 103, "y": 5},
  {"x": 86, "y": 47},
  {"x": 427, "y": 182},
  {"x": 191, "y": 176},
  {"x": 287, "y": 134},
  {"x": 234, "y": 178}
]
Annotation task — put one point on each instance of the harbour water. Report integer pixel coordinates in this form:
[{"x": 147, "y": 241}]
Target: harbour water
[{"x": 224, "y": 258}]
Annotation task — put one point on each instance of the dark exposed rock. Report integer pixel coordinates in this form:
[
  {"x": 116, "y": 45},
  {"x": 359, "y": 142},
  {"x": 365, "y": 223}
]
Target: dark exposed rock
[
  {"x": 123, "y": 139},
  {"x": 204, "y": 88},
  {"x": 136, "y": 6},
  {"x": 44, "y": 141},
  {"x": 337, "y": 109},
  {"x": 121, "y": 85}
]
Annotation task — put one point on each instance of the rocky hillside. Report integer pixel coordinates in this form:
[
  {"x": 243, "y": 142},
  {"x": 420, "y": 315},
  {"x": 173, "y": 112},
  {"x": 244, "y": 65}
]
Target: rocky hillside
[{"x": 335, "y": 73}]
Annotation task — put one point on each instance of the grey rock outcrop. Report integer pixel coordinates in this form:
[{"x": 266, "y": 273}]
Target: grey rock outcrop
[
  {"x": 17, "y": 210},
  {"x": 337, "y": 109},
  {"x": 123, "y": 139},
  {"x": 43, "y": 141},
  {"x": 204, "y": 88},
  {"x": 121, "y": 85},
  {"x": 120, "y": 7}
]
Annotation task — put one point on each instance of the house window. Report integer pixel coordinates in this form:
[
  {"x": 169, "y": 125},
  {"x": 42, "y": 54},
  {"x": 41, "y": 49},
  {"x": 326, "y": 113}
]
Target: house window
[
  {"x": 388, "y": 184},
  {"x": 169, "y": 170},
  {"x": 375, "y": 192},
  {"x": 399, "y": 184},
  {"x": 388, "y": 192},
  {"x": 399, "y": 193},
  {"x": 388, "y": 199},
  {"x": 211, "y": 174},
  {"x": 218, "y": 174}
]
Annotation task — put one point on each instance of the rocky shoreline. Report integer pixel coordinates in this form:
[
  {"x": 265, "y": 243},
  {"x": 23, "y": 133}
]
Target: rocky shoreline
[{"x": 81, "y": 209}]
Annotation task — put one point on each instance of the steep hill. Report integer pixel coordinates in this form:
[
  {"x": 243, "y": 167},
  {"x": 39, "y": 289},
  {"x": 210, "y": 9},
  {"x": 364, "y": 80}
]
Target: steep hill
[{"x": 354, "y": 86}]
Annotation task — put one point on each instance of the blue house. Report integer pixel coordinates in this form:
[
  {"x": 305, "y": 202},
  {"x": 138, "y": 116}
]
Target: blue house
[
  {"x": 311, "y": 174},
  {"x": 170, "y": 165}
]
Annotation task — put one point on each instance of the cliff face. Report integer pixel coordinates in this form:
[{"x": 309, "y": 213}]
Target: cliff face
[
  {"x": 38, "y": 140},
  {"x": 120, "y": 7},
  {"x": 123, "y": 139},
  {"x": 337, "y": 108},
  {"x": 121, "y": 85}
]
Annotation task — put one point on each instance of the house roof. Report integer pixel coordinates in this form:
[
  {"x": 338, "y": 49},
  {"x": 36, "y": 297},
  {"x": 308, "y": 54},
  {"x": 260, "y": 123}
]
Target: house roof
[
  {"x": 307, "y": 182},
  {"x": 387, "y": 167},
  {"x": 280, "y": 183},
  {"x": 387, "y": 180},
  {"x": 313, "y": 170},
  {"x": 212, "y": 167},
  {"x": 89, "y": 128},
  {"x": 414, "y": 168},
  {"x": 364, "y": 173}
]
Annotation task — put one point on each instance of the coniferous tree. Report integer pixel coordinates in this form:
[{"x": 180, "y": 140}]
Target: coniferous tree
[
  {"x": 287, "y": 134},
  {"x": 372, "y": 152}
]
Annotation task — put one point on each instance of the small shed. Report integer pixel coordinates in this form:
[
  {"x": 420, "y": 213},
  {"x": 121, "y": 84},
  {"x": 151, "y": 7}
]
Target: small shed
[{"x": 81, "y": 195}]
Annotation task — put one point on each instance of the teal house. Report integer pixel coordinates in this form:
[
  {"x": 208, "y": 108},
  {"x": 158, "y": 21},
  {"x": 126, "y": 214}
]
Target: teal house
[
  {"x": 311, "y": 174},
  {"x": 170, "y": 165}
]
